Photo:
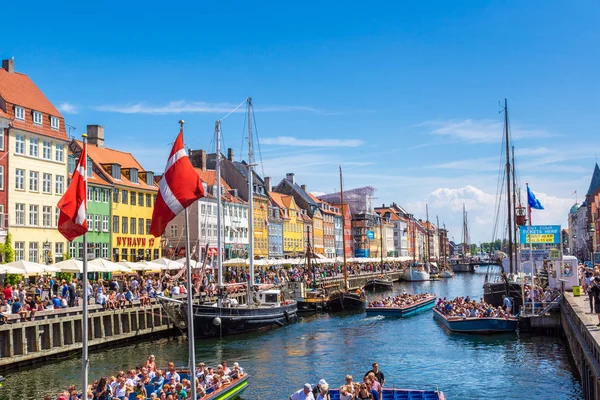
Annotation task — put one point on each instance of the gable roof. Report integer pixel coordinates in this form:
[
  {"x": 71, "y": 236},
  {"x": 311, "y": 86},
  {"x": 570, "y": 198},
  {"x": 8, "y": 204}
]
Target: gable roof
[
  {"x": 297, "y": 189},
  {"x": 277, "y": 198},
  {"x": 95, "y": 179},
  {"x": 18, "y": 88},
  {"x": 209, "y": 176},
  {"x": 102, "y": 156},
  {"x": 595, "y": 182}
]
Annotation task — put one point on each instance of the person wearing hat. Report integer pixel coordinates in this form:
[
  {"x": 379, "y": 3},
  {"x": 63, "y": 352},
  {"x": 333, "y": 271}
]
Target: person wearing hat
[{"x": 303, "y": 394}]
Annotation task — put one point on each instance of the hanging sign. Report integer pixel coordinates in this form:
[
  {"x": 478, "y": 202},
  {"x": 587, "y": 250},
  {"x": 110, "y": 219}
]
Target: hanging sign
[{"x": 540, "y": 234}]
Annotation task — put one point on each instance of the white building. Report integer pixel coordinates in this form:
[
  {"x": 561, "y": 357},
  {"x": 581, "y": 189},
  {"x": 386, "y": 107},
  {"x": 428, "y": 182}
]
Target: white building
[{"x": 579, "y": 237}]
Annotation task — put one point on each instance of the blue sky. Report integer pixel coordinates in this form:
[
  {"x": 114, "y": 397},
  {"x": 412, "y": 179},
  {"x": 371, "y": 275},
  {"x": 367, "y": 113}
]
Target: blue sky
[{"x": 403, "y": 95}]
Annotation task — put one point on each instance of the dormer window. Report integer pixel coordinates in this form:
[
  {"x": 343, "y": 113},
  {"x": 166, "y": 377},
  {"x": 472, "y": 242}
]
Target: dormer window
[
  {"x": 37, "y": 117},
  {"x": 20, "y": 113},
  {"x": 89, "y": 167},
  {"x": 150, "y": 178},
  {"x": 54, "y": 123},
  {"x": 115, "y": 171},
  {"x": 133, "y": 175}
]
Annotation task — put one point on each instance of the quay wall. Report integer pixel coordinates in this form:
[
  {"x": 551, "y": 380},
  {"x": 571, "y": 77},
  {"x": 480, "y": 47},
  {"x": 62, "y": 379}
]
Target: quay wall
[{"x": 583, "y": 339}]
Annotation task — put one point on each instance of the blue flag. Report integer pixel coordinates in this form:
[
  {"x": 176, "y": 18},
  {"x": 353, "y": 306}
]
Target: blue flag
[{"x": 533, "y": 202}]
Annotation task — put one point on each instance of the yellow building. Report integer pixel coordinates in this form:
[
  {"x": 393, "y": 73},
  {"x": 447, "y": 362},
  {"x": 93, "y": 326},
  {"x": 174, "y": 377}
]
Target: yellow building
[
  {"x": 293, "y": 225},
  {"x": 36, "y": 170},
  {"x": 317, "y": 232},
  {"x": 133, "y": 197},
  {"x": 261, "y": 228}
]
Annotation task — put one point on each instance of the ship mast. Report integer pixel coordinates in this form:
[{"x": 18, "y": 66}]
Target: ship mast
[
  {"x": 514, "y": 225},
  {"x": 381, "y": 242},
  {"x": 250, "y": 205},
  {"x": 428, "y": 248},
  {"x": 219, "y": 216},
  {"x": 343, "y": 229},
  {"x": 508, "y": 189}
]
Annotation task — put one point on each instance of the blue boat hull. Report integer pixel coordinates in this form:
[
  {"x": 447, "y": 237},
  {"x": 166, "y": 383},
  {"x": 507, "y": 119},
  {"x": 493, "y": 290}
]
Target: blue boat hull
[
  {"x": 400, "y": 394},
  {"x": 477, "y": 325},
  {"x": 401, "y": 312}
]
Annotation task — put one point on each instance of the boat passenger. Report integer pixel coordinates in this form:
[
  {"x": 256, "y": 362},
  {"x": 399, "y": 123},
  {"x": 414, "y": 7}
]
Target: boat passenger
[
  {"x": 378, "y": 374},
  {"x": 171, "y": 372},
  {"x": 324, "y": 392},
  {"x": 303, "y": 394}
]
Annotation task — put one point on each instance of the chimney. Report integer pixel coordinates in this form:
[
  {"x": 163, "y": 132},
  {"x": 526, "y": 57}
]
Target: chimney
[
  {"x": 203, "y": 160},
  {"x": 230, "y": 154},
  {"x": 304, "y": 188},
  {"x": 291, "y": 177},
  {"x": 268, "y": 184},
  {"x": 96, "y": 135},
  {"x": 9, "y": 65},
  {"x": 383, "y": 205}
]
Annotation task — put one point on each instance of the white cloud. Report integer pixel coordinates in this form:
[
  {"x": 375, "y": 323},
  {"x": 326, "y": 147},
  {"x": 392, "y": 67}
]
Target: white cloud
[
  {"x": 479, "y": 131},
  {"x": 292, "y": 141},
  {"x": 182, "y": 106},
  {"x": 68, "y": 108}
]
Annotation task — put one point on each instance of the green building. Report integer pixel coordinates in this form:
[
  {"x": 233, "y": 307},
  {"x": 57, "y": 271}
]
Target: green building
[{"x": 99, "y": 198}]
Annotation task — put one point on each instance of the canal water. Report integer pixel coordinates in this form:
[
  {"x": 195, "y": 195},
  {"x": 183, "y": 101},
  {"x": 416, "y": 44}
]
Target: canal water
[{"x": 413, "y": 353}]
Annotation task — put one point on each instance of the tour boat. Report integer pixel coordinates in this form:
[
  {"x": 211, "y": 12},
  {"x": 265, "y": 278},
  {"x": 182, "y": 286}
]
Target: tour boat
[
  {"x": 379, "y": 283},
  {"x": 230, "y": 391},
  {"x": 415, "y": 275},
  {"x": 476, "y": 325},
  {"x": 405, "y": 311},
  {"x": 400, "y": 394}
]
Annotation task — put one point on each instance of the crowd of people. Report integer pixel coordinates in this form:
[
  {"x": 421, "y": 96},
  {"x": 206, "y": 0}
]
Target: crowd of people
[
  {"x": 402, "y": 300},
  {"x": 465, "y": 307},
  {"x": 147, "y": 381},
  {"x": 370, "y": 388}
]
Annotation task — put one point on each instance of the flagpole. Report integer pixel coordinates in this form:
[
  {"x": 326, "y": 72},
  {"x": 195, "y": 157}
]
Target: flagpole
[
  {"x": 190, "y": 312},
  {"x": 531, "y": 257},
  {"x": 84, "y": 314}
]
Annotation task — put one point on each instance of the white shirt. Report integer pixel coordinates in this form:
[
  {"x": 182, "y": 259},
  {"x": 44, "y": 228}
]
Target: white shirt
[
  {"x": 120, "y": 391},
  {"x": 175, "y": 375},
  {"x": 175, "y": 290},
  {"x": 299, "y": 395}
]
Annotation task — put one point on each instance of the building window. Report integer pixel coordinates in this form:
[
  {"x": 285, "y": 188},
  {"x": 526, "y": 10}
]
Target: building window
[
  {"x": 97, "y": 195},
  {"x": 47, "y": 216},
  {"x": 33, "y": 147},
  {"x": 203, "y": 209},
  {"x": 132, "y": 197},
  {"x": 148, "y": 225},
  {"x": 71, "y": 162},
  {"x": 33, "y": 181},
  {"x": 115, "y": 224},
  {"x": 141, "y": 199},
  {"x": 19, "y": 144},
  {"x": 46, "y": 150},
  {"x": 34, "y": 254},
  {"x": 140, "y": 226},
  {"x": 155, "y": 254},
  {"x": 115, "y": 171},
  {"x": 124, "y": 225},
  {"x": 33, "y": 215},
  {"x": 1, "y": 176},
  {"x": 19, "y": 214},
  {"x": 59, "y": 250},
  {"x": 73, "y": 249},
  {"x": 106, "y": 196},
  {"x": 60, "y": 184},
  {"x": 104, "y": 250},
  {"x": 1, "y": 138},
  {"x": 54, "y": 122},
  {"x": 125, "y": 197},
  {"x": 132, "y": 226},
  {"x": 148, "y": 201},
  {"x": 90, "y": 222},
  {"x": 60, "y": 153},
  {"x": 56, "y": 215},
  {"x": 20, "y": 179},
  {"x": 173, "y": 229},
  {"x": 133, "y": 175},
  {"x": 37, "y": 117},
  {"x": 90, "y": 194},
  {"x": 47, "y": 183},
  {"x": 89, "y": 168},
  {"x": 124, "y": 254},
  {"x": 115, "y": 195},
  {"x": 105, "y": 223},
  {"x": 97, "y": 223},
  {"x": 19, "y": 251},
  {"x": 20, "y": 113}
]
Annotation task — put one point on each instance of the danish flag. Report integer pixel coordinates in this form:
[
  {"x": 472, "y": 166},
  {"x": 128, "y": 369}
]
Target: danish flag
[
  {"x": 179, "y": 187},
  {"x": 72, "y": 221}
]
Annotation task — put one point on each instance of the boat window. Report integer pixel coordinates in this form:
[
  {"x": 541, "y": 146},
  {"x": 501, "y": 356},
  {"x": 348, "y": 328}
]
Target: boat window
[{"x": 270, "y": 298}]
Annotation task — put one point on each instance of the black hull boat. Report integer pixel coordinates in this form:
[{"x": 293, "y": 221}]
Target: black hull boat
[
  {"x": 211, "y": 321},
  {"x": 493, "y": 292},
  {"x": 343, "y": 301},
  {"x": 379, "y": 284}
]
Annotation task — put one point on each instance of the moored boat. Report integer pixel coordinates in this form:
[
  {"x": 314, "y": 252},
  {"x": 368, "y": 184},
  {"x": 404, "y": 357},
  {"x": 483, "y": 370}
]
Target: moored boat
[
  {"x": 379, "y": 283},
  {"x": 343, "y": 300},
  {"x": 421, "y": 305},
  {"x": 476, "y": 325},
  {"x": 314, "y": 301},
  {"x": 446, "y": 274},
  {"x": 400, "y": 394},
  {"x": 415, "y": 275}
]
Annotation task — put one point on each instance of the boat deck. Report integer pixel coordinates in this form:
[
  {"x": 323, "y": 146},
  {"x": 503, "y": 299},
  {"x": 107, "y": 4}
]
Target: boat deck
[{"x": 400, "y": 394}]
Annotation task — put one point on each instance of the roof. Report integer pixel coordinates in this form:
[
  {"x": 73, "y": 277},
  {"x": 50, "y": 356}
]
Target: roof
[
  {"x": 277, "y": 198},
  {"x": 300, "y": 192},
  {"x": 595, "y": 182},
  {"x": 102, "y": 156},
  {"x": 95, "y": 179},
  {"x": 209, "y": 176},
  {"x": 18, "y": 88},
  {"x": 574, "y": 208}
]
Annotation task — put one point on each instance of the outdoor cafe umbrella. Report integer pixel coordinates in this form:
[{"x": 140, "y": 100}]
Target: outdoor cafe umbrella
[
  {"x": 145, "y": 266},
  {"x": 30, "y": 268},
  {"x": 236, "y": 262},
  {"x": 168, "y": 264},
  {"x": 109, "y": 266},
  {"x": 70, "y": 265},
  {"x": 11, "y": 270},
  {"x": 193, "y": 263}
]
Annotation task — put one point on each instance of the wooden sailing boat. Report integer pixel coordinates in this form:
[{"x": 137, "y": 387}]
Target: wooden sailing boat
[
  {"x": 345, "y": 299},
  {"x": 381, "y": 282},
  {"x": 464, "y": 265}
]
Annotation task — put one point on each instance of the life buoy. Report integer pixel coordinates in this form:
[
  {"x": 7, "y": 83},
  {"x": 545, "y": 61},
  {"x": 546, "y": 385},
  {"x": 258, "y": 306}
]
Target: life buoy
[{"x": 286, "y": 314}]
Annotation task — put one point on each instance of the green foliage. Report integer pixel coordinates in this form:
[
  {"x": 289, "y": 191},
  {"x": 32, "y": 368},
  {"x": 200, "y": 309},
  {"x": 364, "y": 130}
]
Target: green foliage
[
  {"x": 13, "y": 279},
  {"x": 64, "y": 276},
  {"x": 7, "y": 251},
  {"x": 66, "y": 256}
]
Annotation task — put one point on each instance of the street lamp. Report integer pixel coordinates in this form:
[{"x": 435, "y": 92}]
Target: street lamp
[
  {"x": 591, "y": 230},
  {"x": 47, "y": 251}
]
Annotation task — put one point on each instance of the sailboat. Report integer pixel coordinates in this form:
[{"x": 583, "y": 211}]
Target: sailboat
[
  {"x": 414, "y": 273},
  {"x": 345, "y": 299},
  {"x": 311, "y": 300},
  {"x": 381, "y": 282},
  {"x": 445, "y": 272},
  {"x": 464, "y": 265},
  {"x": 493, "y": 291},
  {"x": 265, "y": 308}
]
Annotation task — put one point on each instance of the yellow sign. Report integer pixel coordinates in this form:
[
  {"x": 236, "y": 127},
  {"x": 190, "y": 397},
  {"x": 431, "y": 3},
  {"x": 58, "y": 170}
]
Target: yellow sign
[
  {"x": 540, "y": 238},
  {"x": 554, "y": 254}
]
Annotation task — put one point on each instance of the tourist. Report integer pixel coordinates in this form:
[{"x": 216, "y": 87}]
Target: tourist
[
  {"x": 102, "y": 391},
  {"x": 172, "y": 373},
  {"x": 378, "y": 374},
  {"x": 364, "y": 393},
  {"x": 324, "y": 392},
  {"x": 151, "y": 363},
  {"x": 226, "y": 370},
  {"x": 507, "y": 304},
  {"x": 596, "y": 292},
  {"x": 303, "y": 394},
  {"x": 200, "y": 371},
  {"x": 346, "y": 392}
]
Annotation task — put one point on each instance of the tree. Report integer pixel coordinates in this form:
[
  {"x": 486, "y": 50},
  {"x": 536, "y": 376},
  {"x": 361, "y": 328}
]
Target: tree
[{"x": 8, "y": 253}]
